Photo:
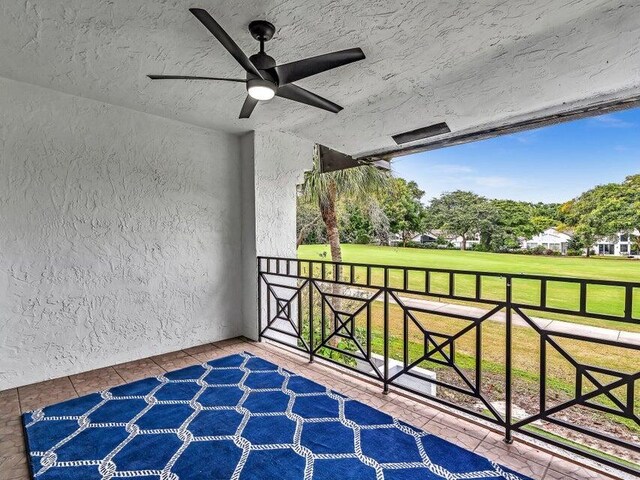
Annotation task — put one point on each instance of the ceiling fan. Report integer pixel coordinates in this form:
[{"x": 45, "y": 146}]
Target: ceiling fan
[{"x": 264, "y": 78}]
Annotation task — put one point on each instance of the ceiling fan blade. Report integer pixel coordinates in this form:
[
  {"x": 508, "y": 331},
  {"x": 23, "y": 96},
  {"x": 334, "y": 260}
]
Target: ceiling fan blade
[
  {"x": 299, "y": 94},
  {"x": 188, "y": 77},
  {"x": 226, "y": 41},
  {"x": 247, "y": 107},
  {"x": 291, "y": 72}
]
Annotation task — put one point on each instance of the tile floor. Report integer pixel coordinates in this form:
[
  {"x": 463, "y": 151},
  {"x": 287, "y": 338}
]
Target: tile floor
[{"x": 536, "y": 463}]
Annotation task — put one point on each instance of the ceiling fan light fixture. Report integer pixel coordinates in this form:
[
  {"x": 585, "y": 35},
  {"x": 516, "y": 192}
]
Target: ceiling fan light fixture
[{"x": 261, "y": 89}]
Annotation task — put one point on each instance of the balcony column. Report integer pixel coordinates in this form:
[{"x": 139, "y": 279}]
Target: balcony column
[{"x": 273, "y": 163}]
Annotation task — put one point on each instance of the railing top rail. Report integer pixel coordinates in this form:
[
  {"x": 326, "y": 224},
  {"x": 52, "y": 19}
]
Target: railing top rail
[{"x": 522, "y": 276}]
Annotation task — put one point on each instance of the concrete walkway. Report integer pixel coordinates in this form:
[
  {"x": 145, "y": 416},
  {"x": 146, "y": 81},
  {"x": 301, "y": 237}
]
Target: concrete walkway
[{"x": 559, "y": 326}]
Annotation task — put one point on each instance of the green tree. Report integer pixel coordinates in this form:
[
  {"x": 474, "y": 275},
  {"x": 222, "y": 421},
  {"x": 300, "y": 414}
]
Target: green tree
[
  {"x": 460, "y": 213},
  {"x": 584, "y": 237},
  {"x": 403, "y": 207},
  {"x": 604, "y": 210},
  {"x": 309, "y": 226},
  {"x": 508, "y": 221},
  {"x": 355, "y": 224},
  {"x": 326, "y": 189},
  {"x": 623, "y": 210}
]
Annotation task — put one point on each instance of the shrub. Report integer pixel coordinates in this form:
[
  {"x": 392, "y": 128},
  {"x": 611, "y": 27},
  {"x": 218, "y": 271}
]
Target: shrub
[
  {"x": 536, "y": 251},
  {"x": 430, "y": 246},
  {"x": 362, "y": 238}
]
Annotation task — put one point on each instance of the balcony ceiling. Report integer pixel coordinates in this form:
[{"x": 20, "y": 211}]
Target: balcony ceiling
[{"x": 472, "y": 64}]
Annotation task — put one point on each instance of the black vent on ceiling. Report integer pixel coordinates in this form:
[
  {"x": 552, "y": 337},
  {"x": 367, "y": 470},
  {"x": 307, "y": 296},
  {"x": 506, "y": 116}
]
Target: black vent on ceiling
[{"x": 420, "y": 133}]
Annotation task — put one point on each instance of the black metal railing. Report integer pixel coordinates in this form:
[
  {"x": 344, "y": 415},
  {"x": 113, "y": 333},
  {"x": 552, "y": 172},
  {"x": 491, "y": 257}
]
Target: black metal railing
[{"x": 468, "y": 340}]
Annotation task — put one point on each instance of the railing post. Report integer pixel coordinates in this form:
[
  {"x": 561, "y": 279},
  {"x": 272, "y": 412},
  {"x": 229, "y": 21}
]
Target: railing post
[
  {"x": 259, "y": 303},
  {"x": 628, "y": 302},
  {"x": 508, "y": 438},
  {"x": 385, "y": 390},
  {"x": 310, "y": 321}
]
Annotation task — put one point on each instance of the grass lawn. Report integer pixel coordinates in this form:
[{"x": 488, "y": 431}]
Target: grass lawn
[
  {"x": 607, "y": 268},
  {"x": 601, "y": 299}
]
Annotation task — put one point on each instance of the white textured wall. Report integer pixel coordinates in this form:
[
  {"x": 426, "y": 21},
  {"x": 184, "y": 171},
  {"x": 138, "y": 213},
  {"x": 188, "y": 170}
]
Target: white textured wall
[
  {"x": 280, "y": 162},
  {"x": 120, "y": 235},
  {"x": 249, "y": 263},
  {"x": 273, "y": 163}
]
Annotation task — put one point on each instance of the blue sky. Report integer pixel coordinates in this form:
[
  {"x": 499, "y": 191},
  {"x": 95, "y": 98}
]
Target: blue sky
[{"x": 550, "y": 164}]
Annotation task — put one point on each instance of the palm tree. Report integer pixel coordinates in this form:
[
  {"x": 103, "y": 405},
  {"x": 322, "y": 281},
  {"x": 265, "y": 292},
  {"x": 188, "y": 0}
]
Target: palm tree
[
  {"x": 325, "y": 189},
  {"x": 358, "y": 183}
]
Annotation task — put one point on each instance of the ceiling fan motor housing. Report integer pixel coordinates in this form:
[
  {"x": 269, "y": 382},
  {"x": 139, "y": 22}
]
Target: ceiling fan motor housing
[
  {"x": 262, "y": 61},
  {"x": 262, "y": 30}
]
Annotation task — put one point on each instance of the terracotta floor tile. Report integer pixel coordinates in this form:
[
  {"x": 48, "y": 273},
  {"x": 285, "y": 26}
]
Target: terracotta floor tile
[
  {"x": 138, "y": 369},
  {"x": 209, "y": 354},
  {"x": 462, "y": 425},
  {"x": 452, "y": 435},
  {"x": 518, "y": 456},
  {"x": 230, "y": 341},
  {"x": 14, "y": 467},
  {"x": 95, "y": 380},
  {"x": 202, "y": 349},
  {"x": 40, "y": 395},
  {"x": 519, "y": 448},
  {"x": 9, "y": 403},
  {"x": 175, "y": 360},
  {"x": 12, "y": 451},
  {"x": 561, "y": 469}
]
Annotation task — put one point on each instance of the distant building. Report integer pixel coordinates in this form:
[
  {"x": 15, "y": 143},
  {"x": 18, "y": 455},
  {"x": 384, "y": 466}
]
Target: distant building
[
  {"x": 433, "y": 236},
  {"x": 619, "y": 244},
  {"x": 550, "y": 239},
  {"x": 427, "y": 237}
]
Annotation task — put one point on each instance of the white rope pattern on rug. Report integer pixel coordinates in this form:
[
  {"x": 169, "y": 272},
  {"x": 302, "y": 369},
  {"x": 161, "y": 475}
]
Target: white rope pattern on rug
[{"x": 109, "y": 469}]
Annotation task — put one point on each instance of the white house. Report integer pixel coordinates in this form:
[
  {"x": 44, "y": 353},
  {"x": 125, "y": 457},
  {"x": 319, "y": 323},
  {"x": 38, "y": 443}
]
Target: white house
[
  {"x": 619, "y": 244},
  {"x": 426, "y": 237},
  {"x": 432, "y": 236},
  {"x": 471, "y": 242},
  {"x": 551, "y": 239}
]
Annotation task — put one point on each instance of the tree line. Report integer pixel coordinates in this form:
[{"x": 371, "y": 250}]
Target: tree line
[{"x": 366, "y": 205}]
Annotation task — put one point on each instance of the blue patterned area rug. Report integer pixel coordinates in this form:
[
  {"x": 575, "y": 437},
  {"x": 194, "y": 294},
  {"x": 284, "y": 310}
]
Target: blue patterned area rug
[{"x": 237, "y": 417}]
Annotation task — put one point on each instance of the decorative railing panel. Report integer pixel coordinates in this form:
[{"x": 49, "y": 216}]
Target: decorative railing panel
[{"x": 554, "y": 358}]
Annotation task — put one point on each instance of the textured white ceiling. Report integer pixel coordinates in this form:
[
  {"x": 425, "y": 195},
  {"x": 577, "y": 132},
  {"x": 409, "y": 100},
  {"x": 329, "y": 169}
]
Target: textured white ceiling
[{"x": 470, "y": 63}]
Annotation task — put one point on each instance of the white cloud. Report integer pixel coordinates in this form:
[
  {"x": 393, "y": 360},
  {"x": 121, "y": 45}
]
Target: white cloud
[
  {"x": 611, "y": 121},
  {"x": 450, "y": 169},
  {"x": 494, "y": 182},
  {"x": 525, "y": 137}
]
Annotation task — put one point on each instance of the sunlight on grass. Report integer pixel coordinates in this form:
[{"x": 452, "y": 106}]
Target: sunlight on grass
[
  {"x": 605, "y": 299},
  {"x": 563, "y": 295},
  {"x": 526, "y": 291}
]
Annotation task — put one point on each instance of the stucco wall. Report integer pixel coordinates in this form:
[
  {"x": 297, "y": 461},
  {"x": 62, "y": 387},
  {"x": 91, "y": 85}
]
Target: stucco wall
[
  {"x": 280, "y": 162},
  {"x": 273, "y": 163},
  {"x": 119, "y": 234}
]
